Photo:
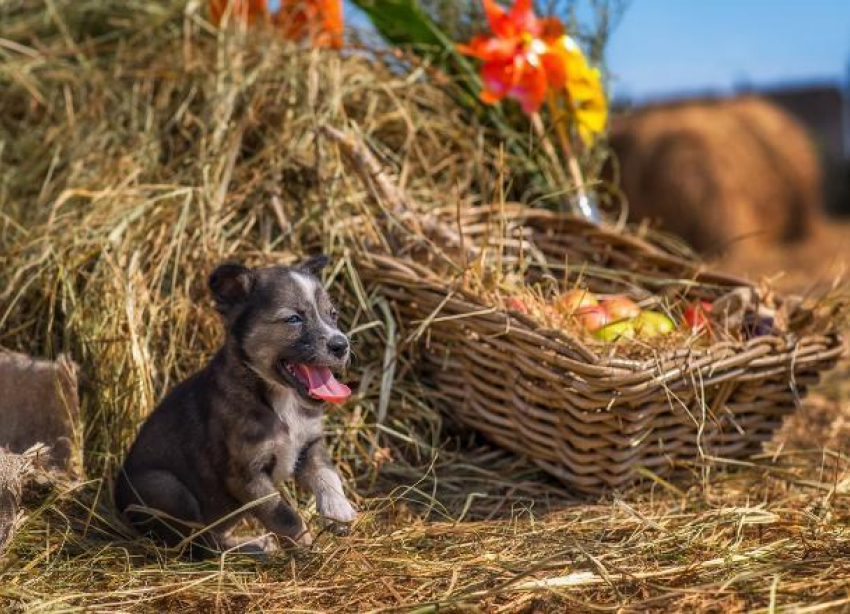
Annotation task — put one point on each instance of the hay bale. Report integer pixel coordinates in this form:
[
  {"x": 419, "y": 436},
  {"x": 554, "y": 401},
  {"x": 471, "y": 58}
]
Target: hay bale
[
  {"x": 15, "y": 471},
  {"x": 11, "y": 487},
  {"x": 719, "y": 172},
  {"x": 38, "y": 404}
]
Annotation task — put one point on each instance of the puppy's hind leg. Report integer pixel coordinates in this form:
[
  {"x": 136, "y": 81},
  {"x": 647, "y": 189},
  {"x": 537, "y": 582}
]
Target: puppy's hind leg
[{"x": 165, "y": 510}]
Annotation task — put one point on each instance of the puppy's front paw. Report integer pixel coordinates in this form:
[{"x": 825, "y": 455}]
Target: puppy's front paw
[
  {"x": 260, "y": 545},
  {"x": 303, "y": 539},
  {"x": 335, "y": 506}
]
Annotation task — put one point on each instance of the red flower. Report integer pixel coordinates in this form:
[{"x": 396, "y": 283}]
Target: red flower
[
  {"x": 319, "y": 21},
  {"x": 522, "y": 57}
]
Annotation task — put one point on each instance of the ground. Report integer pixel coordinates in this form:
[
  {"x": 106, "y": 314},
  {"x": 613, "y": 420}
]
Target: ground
[
  {"x": 470, "y": 528},
  {"x": 149, "y": 147}
]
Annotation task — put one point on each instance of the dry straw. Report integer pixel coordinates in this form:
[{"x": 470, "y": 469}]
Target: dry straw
[{"x": 138, "y": 147}]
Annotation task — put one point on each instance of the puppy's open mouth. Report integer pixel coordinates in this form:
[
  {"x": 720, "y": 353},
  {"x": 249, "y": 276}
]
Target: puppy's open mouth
[{"x": 318, "y": 382}]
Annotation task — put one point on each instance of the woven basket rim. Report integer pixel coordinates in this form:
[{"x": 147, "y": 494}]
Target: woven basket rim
[
  {"x": 585, "y": 416},
  {"x": 721, "y": 354}
]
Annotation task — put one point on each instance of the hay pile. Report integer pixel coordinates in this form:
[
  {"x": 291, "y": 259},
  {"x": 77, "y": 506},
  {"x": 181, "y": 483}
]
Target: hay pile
[
  {"x": 13, "y": 472},
  {"x": 719, "y": 173},
  {"x": 138, "y": 148},
  {"x": 137, "y": 159},
  {"x": 39, "y": 403},
  {"x": 17, "y": 477}
]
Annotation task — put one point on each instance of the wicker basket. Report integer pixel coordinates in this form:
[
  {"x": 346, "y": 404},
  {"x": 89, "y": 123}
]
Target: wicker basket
[{"x": 593, "y": 420}]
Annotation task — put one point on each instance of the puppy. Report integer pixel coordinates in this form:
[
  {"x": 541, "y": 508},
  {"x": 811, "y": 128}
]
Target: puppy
[{"x": 250, "y": 420}]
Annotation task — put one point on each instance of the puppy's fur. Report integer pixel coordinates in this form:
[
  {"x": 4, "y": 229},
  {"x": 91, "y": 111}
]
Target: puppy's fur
[{"x": 228, "y": 435}]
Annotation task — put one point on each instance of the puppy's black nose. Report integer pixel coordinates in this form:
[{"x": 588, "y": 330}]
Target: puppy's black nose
[{"x": 338, "y": 345}]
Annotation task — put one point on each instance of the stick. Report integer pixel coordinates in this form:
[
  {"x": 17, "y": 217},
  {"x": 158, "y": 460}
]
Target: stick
[{"x": 357, "y": 155}]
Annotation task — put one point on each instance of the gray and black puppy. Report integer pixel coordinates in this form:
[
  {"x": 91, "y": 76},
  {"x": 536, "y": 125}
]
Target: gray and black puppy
[{"x": 251, "y": 419}]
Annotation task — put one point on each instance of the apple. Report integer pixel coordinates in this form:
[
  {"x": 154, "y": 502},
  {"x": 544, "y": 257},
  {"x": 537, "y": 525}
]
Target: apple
[
  {"x": 553, "y": 315},
  {"x": 696, "y": 315},
  {"x": 516, "y": 304},
  {"x": 651, "y": 324},
  {"x": 621, "y": 308},
  {"x": 593, "y": 317},
  {"x": 615, "y": 331},
  {"x": 572, "y": 301}
]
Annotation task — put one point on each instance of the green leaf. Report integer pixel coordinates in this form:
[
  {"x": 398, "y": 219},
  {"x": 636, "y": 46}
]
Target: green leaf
[{"x": 403, "y": 23}]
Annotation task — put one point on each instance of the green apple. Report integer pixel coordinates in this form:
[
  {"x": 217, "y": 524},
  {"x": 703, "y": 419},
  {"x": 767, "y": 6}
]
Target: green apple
[
  {"x": 651, "y": 324},
  {"x": 615, "y": 331}
]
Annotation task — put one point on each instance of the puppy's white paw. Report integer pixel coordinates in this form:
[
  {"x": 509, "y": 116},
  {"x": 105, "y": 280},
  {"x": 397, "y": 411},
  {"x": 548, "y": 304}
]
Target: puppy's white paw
[
  {"x": 305, "y": 539},
  {"x": 335, "y": 506}
]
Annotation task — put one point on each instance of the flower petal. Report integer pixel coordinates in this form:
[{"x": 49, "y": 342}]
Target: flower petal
[
  {"x": 320, "y": 21},
  {"x": 489, "y": 48},
  {"x": 522, "y": 17},
  {"x": 530, "y": 89},
  {"x": 497, "y": 78},
  {"x": 497, "y": 17},
  {"x": 555, "y": 63}
]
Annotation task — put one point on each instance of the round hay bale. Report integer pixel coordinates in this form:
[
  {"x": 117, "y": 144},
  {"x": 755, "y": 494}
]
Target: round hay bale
[{"x": 719, "y": 172}]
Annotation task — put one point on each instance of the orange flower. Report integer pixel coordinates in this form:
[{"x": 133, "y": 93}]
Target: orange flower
[
  {"x": 320, "y": 21},
  {"x": 522, "y": 58},
  {"x": 317, "y": 20},
  {"x": 245, "y": 11}
]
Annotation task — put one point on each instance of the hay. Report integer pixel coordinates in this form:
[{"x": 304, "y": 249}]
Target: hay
[
  {"x": 137, "y": 150},
  {"x": 16, "y": 472},
  {"x": 11, "y": 485},
  {"x": 171, "y": 157},
  {"x": 720, "y": 174},
  {"x": 39, "y": 404}
]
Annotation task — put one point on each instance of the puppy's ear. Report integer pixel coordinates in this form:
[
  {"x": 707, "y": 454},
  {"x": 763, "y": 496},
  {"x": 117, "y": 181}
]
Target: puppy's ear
[
  {"x": 231, "y": 283},
  {"x": 314, "y": 265}
]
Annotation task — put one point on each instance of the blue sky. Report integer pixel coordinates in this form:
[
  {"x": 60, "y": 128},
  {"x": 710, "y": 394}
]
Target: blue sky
[
  {"x": 668, "y": 47},
  {"x": 664, "y": 47}
]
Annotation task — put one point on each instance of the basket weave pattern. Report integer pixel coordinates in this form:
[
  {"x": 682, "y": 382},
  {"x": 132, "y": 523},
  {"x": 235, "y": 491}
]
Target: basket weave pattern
[{"x": 591, "y": 420}]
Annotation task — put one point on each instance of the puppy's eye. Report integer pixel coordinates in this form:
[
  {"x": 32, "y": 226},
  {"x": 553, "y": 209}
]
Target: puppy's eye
[
  {"x": 293, "y": 319},
  {"x": 334, "y": 314}
]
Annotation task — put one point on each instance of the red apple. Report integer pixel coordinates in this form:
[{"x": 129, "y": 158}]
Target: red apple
[
  {"x": 553, "y": 315},
  {"x": 593, "y": 317},
  {"x": 571, "y": 301},
  {"x": 621, "y": 308},
  {"x": 696, "y": 315},
  {"x": 516, "y": 304}
]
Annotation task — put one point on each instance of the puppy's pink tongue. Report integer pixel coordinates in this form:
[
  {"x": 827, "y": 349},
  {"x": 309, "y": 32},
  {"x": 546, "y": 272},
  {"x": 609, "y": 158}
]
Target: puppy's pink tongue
[{"x": 323, "y": 384}]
